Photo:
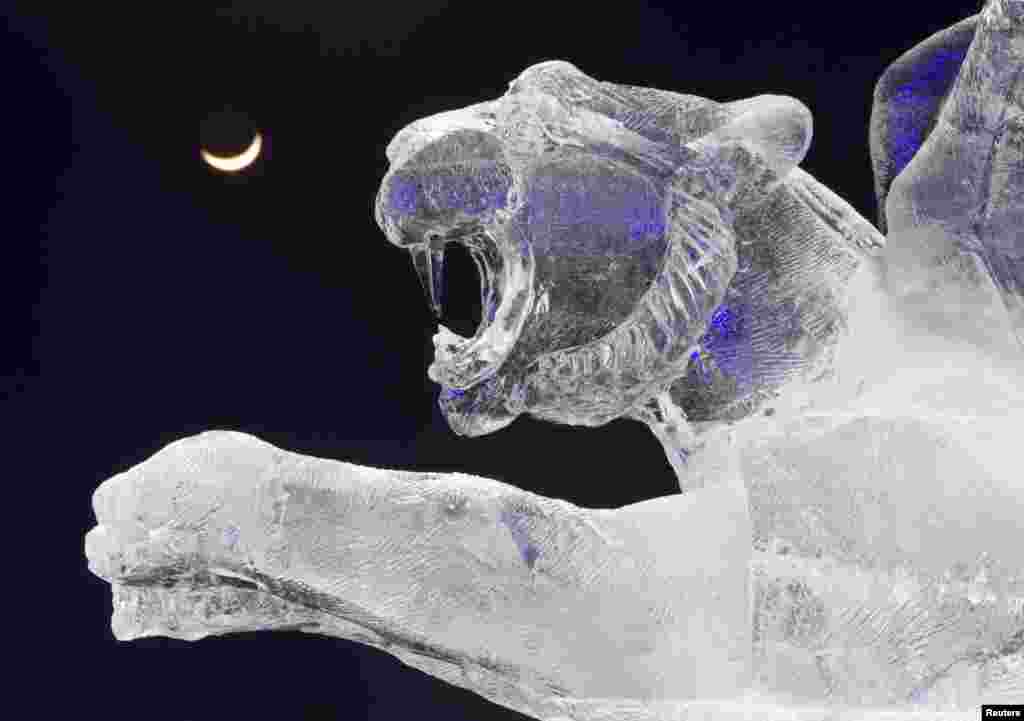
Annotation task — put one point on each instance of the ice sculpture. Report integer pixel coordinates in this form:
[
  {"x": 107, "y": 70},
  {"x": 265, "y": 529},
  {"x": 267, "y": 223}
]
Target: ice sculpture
[
  {"x": 840, "y": 411},
  {"x": 947, "y": 143}
]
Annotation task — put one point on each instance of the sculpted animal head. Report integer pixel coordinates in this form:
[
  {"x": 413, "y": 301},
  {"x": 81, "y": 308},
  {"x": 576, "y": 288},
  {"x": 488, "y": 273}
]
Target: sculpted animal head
[{"x": 607, "y": 223}]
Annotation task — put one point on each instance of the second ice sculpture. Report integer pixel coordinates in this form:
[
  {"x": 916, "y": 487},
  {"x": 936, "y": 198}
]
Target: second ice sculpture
[
  {"x": 947, "y": 145},
  {"x": 840, "y": 411}
]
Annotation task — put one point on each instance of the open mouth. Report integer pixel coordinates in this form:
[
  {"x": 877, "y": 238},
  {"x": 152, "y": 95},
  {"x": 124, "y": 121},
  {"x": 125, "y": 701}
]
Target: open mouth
[
  {"x": 506, "y": 278},
  {"x": 466, "y": 291},
  {"x": 200, "y": 604}
]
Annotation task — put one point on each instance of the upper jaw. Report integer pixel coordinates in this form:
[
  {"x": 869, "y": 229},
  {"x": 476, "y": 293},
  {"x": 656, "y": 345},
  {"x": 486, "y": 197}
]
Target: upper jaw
[
  {"x": 469, "y": 369},
  {"x": 478, "y": 390},
  {"x": 450, "y": 181},
  {"x": 157, "y": 558},
  {"x": 507, "y": 300},
  {"x": 159, "y": 592}
]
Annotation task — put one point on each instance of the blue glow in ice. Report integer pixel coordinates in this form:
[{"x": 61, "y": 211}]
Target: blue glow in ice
[
  {"x": 914, "y": 104},
  {"x": 517, "y": 526},
  {"x": 404, "y": 196}
]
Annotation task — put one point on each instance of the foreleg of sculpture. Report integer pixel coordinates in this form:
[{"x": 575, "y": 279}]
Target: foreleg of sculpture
[{"x": 532, "y": 602}]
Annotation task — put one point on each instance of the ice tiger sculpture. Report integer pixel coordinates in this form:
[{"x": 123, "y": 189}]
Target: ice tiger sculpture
[{"x": 840, "y": 411}]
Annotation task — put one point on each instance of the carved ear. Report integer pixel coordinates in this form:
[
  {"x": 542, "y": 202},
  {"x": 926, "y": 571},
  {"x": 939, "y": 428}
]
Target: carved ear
[
  {"x": 777, "y": 126},
  {"x": 755, "y": 151},
  {"x": 907, "y": 101}
]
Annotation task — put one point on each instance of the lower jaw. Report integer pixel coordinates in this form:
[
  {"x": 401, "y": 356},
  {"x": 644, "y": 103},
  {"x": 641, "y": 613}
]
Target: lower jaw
[
  {"x": 190, "y": 612},
  {"x": 478, "y": 410}
]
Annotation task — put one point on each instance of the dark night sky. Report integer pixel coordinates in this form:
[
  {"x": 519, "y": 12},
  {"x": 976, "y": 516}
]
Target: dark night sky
[{"x": 152, "y": 298}]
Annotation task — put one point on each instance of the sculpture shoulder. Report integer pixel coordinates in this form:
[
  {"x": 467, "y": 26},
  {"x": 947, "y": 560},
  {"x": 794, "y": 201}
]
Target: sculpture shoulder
[{"x": 907, "y": 99}]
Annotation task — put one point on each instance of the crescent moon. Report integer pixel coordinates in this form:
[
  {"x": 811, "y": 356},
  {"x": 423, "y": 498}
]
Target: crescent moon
[{"x": 234, "y": 163}]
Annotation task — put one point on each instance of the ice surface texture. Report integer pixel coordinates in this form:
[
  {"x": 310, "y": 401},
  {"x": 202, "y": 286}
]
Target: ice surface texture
[{"x": 841, "y": 412}]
